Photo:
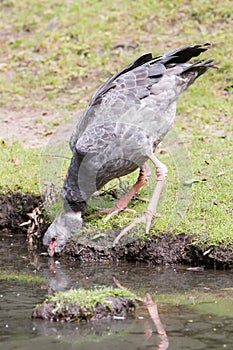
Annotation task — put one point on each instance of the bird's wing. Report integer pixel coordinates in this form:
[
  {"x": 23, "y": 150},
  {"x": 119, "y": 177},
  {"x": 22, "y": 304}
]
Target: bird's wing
[
  {"x": 132, "y": 85},
  {"x": 109, "y": 84},
  {"x": 121, "y": 92},
  {"x": 95, "y": 138}
]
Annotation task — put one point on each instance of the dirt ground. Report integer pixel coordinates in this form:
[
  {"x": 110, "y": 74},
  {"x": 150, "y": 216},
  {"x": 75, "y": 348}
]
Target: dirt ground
[
  {"x": 160, "y": 249},
  {"x": 26, "y": 125}
]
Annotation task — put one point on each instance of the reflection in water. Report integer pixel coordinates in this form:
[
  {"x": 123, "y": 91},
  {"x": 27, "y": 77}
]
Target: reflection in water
[
  {"x": 57, "y": 277},
  {"x": 187, "y": 327}
]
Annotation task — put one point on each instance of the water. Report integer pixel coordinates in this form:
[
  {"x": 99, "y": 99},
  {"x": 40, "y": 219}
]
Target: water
[{"x": 191, "y": 326}]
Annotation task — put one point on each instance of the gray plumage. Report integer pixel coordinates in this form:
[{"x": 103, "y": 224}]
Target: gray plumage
[{"x": 124, "y": 122}]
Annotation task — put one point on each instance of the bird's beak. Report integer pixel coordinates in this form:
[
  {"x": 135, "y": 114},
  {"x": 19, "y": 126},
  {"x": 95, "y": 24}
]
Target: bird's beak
[{"x": 51, "y": 248}]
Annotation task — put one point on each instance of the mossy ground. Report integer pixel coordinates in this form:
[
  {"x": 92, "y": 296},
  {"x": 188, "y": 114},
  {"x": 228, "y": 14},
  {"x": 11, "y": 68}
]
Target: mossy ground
[
  {"x": 89, "y": 297},
  {"x": 20, "y": 277},
  {"x": 218, "y": 304},
  {"x": 83, "y": 305},
  {"x": 53, "y": 56}
]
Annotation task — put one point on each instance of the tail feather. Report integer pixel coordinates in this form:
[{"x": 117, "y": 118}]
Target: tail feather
[
  {"x": 208, "y": 63},
  {"x": 184, "y": 54},
  {"x": 197, "y": 68},
  {"x": 172, "y": 58}
]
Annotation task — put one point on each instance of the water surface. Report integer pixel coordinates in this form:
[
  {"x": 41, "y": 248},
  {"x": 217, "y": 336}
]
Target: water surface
[{"x": 192, "y": 326}]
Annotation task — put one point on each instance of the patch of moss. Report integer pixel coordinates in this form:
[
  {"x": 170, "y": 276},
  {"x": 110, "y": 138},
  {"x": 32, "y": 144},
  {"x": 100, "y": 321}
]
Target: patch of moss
[
  {"x": 21, "y": 277},
  {"x": 84, "y": 305},
  {"x": 219, "y": 303},
  {"x": 87, "y": 298}
]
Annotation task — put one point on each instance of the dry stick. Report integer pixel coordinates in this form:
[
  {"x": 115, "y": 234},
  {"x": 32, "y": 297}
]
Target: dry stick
[
  {"x": 153, "y": 312},
  {"x": 119, "y": 285}
]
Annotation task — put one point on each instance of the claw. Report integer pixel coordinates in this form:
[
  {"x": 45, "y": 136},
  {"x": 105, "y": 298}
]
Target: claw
[
  {"x": 117, "y": 211},
  {"x": 121, "y": 204},
  {"x": 148, "y": 218},
  {"x": 128, "y": 228},
  {"x": 161, "y": 173}
]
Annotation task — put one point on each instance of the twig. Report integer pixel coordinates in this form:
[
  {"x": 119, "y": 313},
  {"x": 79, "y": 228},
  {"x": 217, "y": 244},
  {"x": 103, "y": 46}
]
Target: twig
[
  {"x": 153, "y": 312},
  {"x": 119, "y": 285}
]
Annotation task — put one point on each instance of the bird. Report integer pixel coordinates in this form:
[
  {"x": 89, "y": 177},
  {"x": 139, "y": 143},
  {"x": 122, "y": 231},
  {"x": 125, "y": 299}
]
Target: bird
[{"x": 125, "y": 120}]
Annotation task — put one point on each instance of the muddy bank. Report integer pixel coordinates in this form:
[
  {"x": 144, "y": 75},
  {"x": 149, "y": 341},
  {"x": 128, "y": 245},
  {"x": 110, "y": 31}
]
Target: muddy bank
[
  {"x": 23, "y": 212},
  {"x": 162, "y": 249}
]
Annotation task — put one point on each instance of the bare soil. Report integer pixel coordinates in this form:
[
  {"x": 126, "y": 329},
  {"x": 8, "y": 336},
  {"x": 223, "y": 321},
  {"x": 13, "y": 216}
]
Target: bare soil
[
  {"x": 160, "y": 249},
  {"x": 27, "y": 125}
]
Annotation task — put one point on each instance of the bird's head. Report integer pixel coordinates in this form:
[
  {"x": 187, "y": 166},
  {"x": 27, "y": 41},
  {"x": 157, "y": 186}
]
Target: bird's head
[{"x": 61, "y": 229}]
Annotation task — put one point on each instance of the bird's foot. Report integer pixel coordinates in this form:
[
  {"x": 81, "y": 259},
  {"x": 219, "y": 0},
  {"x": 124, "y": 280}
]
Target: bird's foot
[
  {"x": 161, "y": 172},
  {"x": 112, "y": 211},
  {"x": 121, "y": 204},
  {"x": 62, "y": 228},
  {"x": 146, "y": 218}
]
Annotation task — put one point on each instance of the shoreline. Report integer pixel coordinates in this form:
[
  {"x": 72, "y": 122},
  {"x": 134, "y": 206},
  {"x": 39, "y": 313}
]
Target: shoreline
[{"x": 158, "y": 249}]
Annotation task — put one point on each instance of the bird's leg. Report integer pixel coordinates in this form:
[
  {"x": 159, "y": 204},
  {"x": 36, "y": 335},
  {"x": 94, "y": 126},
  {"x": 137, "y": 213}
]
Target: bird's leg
[
  {"x": 122, "y": 203},
  {"x": 161, "y": 173}
]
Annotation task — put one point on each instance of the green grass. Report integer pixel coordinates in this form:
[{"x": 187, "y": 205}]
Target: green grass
[
  {"x": 19, "y": 168},
  {"x": 54, "y": 54},
  {"x": 59, "y": 63},
  {"x": 219, "y": 304},
  {"x": 21, "y": 277},
  {"x": 88, "y": 298}
]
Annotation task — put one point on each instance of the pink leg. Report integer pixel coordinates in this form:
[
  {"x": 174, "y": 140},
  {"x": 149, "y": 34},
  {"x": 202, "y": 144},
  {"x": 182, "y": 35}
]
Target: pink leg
[
  {"x": 122, "y": 203},
  {"x": 161, "y": 173}
]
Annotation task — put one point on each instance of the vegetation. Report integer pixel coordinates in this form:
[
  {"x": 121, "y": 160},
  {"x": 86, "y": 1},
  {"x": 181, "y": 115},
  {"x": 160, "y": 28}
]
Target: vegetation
[
  {"x": 87, "y": 298},
  {"x": 54, "y": 54},
  {"x": 19, "y": 168},
  {"x": 21, "y": 277},
  {"x": 219, "y": 303}
]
